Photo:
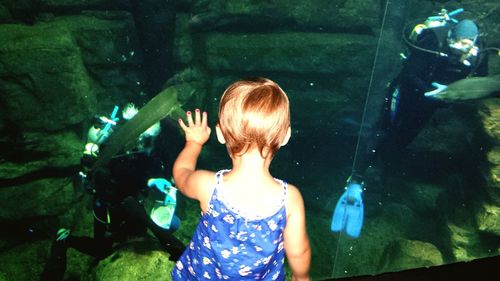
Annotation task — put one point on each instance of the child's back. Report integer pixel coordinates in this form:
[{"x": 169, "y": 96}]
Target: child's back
[
  {"x": 234, "y": 243},
  {"x": 249, "y": 219}
]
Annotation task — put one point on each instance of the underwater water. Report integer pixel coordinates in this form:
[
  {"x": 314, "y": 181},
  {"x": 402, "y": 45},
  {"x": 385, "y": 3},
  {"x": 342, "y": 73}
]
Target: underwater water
[{"x": 433, "y": 201}]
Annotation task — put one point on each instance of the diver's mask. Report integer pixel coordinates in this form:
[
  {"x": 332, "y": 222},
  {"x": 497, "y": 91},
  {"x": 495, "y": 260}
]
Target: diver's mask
[{"x": 465, "y": 48}]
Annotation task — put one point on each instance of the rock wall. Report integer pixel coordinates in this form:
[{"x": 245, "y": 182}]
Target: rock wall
[{"x": 61, "y": 64}]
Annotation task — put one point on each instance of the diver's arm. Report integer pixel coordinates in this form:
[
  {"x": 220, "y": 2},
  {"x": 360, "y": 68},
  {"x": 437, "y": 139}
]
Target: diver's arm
[
  {"x": 415, "y": 68},
  {"x": 296, "y": 242},
  {"x": 419, "y": 63}
]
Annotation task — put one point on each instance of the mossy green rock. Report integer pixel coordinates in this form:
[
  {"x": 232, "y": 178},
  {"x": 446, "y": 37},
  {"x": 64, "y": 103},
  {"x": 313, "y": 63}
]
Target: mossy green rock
[
  {"x": 39, "y": 151},
  {"x": 488, "y": 219},
  {"x": 489, "y": 112},
  {"x": 318, "y": 15},
  {"x": 54, "y": 4},
  {"x": 23, "y": 262},
  {"x": 110, "y": 51},
  {"x": 39, "y": 198},
  {"x": 464, "y": 241},
  {"x": 43, "y": 81},
  {"x": 405, "y": 254},
  {"x": 292, "y": 52},
  {"x": 135, "y": 261}
]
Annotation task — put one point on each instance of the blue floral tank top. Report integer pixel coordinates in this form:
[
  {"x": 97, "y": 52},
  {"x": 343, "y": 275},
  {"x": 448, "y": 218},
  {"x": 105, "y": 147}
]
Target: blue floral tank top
[{"x": 229, "y": 245}]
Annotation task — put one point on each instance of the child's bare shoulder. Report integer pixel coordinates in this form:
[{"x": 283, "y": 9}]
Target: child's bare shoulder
[
  {"x": 205, "y": 173},
  {"x": 295, "y": 212},
  {"x": 293, "y": 190},
  {"x": 203, "y": 177},
  {"x": 202, "y": 182},
  {"x": 294, "y": 199}
]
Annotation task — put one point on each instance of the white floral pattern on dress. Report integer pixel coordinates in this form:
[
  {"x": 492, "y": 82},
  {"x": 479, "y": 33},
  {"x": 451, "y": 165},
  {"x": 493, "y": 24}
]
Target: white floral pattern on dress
[{"x": 230, "y": 246}]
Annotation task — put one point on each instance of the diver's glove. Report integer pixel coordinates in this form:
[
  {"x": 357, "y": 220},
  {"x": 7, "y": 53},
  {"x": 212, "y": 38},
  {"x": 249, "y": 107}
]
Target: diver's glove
[
  {"x": 439, "y": 88},
  {"x": 160, "y": 183}
]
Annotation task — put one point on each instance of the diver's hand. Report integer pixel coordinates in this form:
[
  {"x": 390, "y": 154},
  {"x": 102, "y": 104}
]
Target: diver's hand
[
  {"x": 196, "y": 131},
  {"x": 439, "y": 88}
]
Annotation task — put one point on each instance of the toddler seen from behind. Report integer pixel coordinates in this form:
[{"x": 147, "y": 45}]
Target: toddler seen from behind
[{"x": 249, "y": 219}]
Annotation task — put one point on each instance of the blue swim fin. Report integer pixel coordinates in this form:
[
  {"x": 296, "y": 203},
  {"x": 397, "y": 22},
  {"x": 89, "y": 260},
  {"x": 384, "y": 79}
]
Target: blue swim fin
[
  {"x": 349, "y": 211},
  {"x": 354, "y": 222},
  {"x": 339, "y": 214}
]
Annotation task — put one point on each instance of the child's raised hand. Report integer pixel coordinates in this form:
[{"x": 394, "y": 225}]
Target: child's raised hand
[{"x": 196, "y": 131}]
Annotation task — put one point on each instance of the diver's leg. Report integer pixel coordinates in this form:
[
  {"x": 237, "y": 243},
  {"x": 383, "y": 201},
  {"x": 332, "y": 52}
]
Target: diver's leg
[
  {"x": 387, "y": 65},
  {"x": 97, "y": 248},
  {"x": 413, "y": 115},
  {"x": 100, "y": 246},
  {"x": 172, "y": 245},
  {"x": 56, "y": 265},
  {"x": 411, "y": 124},
  {"x": 375, "y": 134}
]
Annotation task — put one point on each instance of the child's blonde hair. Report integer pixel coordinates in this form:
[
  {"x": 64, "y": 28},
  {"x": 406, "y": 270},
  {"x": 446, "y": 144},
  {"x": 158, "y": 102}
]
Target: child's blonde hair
[{"x": 254, "y": 113}]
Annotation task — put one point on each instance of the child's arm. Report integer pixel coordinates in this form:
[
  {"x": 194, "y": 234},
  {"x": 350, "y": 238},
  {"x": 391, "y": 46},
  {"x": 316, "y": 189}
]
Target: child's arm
[
  {"x": 187, "y": 180},
  {"x": 297, "y": 248}
]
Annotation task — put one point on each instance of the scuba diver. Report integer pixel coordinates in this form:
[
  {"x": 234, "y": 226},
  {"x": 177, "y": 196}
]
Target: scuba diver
[
  {"x": 442, "y": 50},
  {"x": 122, "y": 191}
]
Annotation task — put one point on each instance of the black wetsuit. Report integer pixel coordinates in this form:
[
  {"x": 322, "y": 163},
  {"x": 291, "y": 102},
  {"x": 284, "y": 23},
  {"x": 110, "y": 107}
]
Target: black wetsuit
[
  {"x": 421, "y": 69},
  {"x": 406, "y": 109},
  {"x": 118, "y": 213}
]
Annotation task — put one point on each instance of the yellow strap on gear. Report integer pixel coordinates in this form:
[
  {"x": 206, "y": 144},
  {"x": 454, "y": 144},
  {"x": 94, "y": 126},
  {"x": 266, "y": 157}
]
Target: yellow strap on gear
[{"x": 417, "y": 30}]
